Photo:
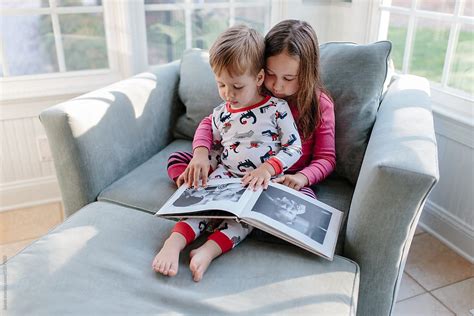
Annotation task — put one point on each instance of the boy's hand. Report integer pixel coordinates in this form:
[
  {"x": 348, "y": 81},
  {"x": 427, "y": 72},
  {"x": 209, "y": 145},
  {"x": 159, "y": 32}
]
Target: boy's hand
[
  {"x": 294, "y": 181},
  {"x": 198, "y": 168},
  {"x": 258, "y": 177}
]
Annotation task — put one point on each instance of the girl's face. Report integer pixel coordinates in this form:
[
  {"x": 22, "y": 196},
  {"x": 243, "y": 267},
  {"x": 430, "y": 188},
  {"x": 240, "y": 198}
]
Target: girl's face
[
  {"x": 281, "y": 75},
  {"x": 239, "y": 91}
]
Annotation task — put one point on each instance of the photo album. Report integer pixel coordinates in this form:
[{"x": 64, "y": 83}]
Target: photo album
[{"x": 278, "y": 210}]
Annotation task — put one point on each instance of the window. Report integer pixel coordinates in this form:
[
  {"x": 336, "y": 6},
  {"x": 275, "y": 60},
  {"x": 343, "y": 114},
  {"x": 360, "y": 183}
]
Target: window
[
  {"x": 433, "y": 39},
  {"x": 69, "y": 47},
  {"x": 52, "y": 36},
  {"x": 173, "y": 26}
]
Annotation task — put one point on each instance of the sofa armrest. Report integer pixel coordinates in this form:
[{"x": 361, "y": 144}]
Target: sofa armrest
[
  {"x": 99, "y": 137},
  {"x": 399, "y": 169}
]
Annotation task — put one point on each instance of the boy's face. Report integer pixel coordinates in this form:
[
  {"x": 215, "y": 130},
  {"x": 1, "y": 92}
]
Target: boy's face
[
  {"x": 240, "y": 91},
  {"x": 281, "y": 75}
]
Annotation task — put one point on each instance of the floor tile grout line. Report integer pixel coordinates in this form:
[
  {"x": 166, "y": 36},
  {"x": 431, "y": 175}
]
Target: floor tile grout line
[
  {"x": 447, "y": 307},
  {"x": 438, "y": 288},
  {"x": 416, "y": 281},
  {"x": 430, "y": 291},
  {"x": 434, "y": 297},
  {"x": 405, "y": 299}
]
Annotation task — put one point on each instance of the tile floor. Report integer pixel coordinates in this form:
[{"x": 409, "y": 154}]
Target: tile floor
[{"x": 436, "y": 280}]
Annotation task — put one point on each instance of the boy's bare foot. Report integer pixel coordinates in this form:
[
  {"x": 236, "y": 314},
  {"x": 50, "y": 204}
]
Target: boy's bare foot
[
  {"x": 167, "y": 260},
  {"x": 202, "y": 257}
]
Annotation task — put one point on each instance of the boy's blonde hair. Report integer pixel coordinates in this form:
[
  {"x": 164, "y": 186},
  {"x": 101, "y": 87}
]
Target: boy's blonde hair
[{"x": 238, "y": 50}]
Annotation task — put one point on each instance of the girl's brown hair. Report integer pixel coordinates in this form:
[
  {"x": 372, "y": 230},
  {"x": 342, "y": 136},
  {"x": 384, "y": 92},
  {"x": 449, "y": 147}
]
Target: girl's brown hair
[{"x": 297, "y": 38}]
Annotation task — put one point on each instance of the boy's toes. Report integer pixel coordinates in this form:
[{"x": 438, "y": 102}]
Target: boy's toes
[
  {"x": 173, "y": 270},
  {"x": 197, "y": 275},
  {"x": 196, "y": 271},
  {"x": 156, "y": 265},
  {"x": 155, "y": 261}
]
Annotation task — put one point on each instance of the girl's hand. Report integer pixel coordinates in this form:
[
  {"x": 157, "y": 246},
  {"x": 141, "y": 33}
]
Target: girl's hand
[
  {"x": 294, "y": 181},
  {"x": 198, "y": 168},
  {"x": 258, "y": 177}
]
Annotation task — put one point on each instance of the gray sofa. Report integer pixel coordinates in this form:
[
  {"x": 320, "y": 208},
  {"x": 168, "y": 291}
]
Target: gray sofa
[{"x": 110, "y": 149}]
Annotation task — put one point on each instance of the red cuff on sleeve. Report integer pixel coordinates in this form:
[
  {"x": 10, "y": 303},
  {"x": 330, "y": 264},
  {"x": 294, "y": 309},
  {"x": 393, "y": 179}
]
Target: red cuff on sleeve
[
  {"x": 276, "y": 164},
  {"x": 222, "y": 241},
  {"x": 184, "y": 229}
]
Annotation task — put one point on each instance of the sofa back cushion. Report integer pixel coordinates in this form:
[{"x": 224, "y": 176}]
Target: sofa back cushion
[
  {"x": 197, "y": 91},
  {"x": 353, "y": 74}
]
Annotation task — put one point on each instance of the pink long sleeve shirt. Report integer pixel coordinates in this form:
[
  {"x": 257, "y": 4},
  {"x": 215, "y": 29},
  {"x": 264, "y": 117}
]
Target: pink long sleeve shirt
[{"x": 319, "y": 150}]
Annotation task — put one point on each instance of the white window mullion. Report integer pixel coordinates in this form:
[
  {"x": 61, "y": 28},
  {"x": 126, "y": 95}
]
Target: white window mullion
[
  {"x": 231, "y": 12},
  {"x": 452, "y": 42},
  {"x": 410, "y": 37},
  {"x": 5, "y": 69},
  {"x": 57, "y": 36},
  {"x": 188, "y": 21},
  {"x": 267, "y": 22},
  {"x": 384, "y": 25}
]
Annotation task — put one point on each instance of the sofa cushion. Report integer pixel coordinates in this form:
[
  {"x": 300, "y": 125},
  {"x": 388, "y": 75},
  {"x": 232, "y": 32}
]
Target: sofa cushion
[
  {"x": 197, "y": 91},
  {"x": 148, "y": 186},
  {"x": 98, "y": 262},
  {"x": 354, "y": 75}
]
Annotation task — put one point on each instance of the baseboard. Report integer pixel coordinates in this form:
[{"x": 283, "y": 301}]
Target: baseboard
[
  {"x": 20, "y": 194},
  {"x": 448, "y": 229}
]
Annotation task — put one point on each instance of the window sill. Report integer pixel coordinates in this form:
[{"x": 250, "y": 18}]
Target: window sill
[
  {"x": 30, "y": 88},
  {"x": 451, "y": 106},
  {"x": 453, "y": 116}
]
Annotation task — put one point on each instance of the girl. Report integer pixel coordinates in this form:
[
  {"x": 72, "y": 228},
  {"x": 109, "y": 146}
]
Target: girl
[{"x": 292, "y": 72}]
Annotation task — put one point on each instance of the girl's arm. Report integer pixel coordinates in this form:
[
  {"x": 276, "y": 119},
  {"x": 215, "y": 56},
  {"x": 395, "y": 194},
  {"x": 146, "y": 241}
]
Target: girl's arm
[
  {"x": 324, "y": 150},
  {"x": 199, "y": 165},
  {"x": 203, "y": 134}
]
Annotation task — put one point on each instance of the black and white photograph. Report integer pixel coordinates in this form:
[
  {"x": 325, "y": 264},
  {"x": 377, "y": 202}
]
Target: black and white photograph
[
  {"x": 278, "y": 210},
  {"x": 229, "y": 192},
  {"x": 294, "y": 212}
]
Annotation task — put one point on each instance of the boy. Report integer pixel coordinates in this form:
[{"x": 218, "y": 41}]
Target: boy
[{"x": 254, "y": 137}]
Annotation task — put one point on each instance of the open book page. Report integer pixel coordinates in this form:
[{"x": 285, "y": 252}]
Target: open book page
[
  {"x": 220, "y": 194},
  {"x": 299, "y": 219}
]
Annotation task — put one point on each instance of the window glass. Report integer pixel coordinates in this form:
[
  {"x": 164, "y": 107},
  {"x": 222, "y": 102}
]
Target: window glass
[
  {"x": 162, "y": 1},
  {"x": 78, "y": 3},
  {"x": 165, "y": 36},
  {"x": 28, "y": 44},
  {"x": 397, "y": 34},
  {"x": 429, "y": 49},
  {"x": 253, "y": 17},
  {"x": 399, "y": 3},
  {"x": 26, "y": 4},
  {"x": 444, "y": 6},
  {"x": 468, "y": 9},
  {"x": 84, "y": 43},
  {"x": 207, "y": 24},
  {"x": 462, "y": 66}
]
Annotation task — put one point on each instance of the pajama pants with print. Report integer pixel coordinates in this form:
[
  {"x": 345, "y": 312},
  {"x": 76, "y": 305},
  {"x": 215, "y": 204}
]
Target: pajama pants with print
[{"x": 229, "y": 233}]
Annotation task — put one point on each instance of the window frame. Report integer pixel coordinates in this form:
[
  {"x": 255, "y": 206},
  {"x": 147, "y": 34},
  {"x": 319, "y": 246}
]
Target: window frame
[
  {"x": 448, "y": 101},
  {"x": 126, "y": 48},
  {"x": 62, "y": 82},
  {"x": 188, "y": 6}
]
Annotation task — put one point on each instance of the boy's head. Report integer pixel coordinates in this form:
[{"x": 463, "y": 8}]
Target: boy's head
[{"x": 237, "y": 60}]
